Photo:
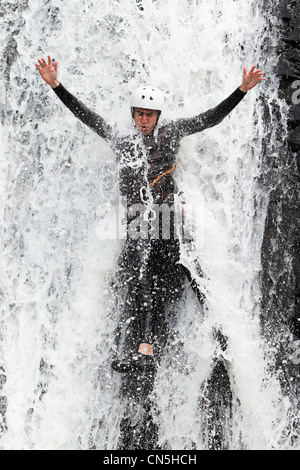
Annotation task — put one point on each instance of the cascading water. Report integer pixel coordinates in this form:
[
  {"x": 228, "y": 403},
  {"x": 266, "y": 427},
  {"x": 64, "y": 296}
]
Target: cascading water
[{"x": 59, "y": 188}]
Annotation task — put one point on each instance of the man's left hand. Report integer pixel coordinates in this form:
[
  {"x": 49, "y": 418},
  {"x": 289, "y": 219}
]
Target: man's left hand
[{"x": 251, "y": 78}]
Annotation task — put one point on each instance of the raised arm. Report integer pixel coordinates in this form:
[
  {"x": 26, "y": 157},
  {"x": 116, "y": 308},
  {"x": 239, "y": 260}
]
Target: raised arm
[
  {"x": 49, "y": 73},
  {"x": 214, "y": 116}
]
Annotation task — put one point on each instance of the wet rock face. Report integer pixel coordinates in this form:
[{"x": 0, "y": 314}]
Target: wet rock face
[
  {"x": 289, "y": 72},
  {"x": 280, "y": 250},
  {"x": 289, "y": 67}
]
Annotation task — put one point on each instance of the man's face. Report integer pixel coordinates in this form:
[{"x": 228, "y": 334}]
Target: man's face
[{"x": 145, "y": 120}]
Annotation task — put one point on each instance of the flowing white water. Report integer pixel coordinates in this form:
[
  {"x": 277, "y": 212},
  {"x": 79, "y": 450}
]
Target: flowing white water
[{"x": 58, "y": 180}]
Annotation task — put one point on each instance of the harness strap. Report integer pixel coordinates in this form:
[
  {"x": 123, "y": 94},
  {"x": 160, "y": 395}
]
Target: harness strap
[{"x": 164, "y": 174}]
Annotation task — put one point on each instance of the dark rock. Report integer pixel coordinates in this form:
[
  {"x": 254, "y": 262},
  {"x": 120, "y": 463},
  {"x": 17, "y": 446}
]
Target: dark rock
[
  {"x": 294, "y": 139},
  {"x": 280, "y": 249}
]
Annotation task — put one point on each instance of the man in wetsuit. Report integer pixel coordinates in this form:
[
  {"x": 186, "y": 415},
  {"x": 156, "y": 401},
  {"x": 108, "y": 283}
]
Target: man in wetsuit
[{"x": 147, "y": 160}]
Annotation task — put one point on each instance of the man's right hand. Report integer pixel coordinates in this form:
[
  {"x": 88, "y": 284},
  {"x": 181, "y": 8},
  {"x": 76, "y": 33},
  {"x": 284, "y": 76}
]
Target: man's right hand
[{"x": 48, "y": 72}]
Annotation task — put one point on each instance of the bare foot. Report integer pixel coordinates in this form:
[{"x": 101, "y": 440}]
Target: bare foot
[{"x": 145, "y": 348}]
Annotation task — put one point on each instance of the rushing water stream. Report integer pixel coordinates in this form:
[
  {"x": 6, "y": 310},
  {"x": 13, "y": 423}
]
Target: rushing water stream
[{"x": 59, "y": 185}]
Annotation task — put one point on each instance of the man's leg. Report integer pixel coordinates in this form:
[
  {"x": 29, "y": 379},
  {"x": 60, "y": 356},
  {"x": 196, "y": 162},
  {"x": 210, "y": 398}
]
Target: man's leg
[
  {"x": 140, "y": 252},
  {"x": 144, "y": 298}
]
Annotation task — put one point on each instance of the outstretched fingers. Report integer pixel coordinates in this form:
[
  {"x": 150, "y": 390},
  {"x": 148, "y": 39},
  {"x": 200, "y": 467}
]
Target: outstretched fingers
[
  {"x": 259, "y": 75},
  {"x": 39, "y": 66},
  {"x": 42, "y": 64},
  {"x": 48, "y": 71},
  {"x": 251, "y": 78},
  {"x": 40, "y": 61}
]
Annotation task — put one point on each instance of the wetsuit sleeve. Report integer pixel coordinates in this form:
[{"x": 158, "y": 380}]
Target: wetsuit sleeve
[
  {"x": 82, "y": 112},
  {"x": 210, "y": 118}
]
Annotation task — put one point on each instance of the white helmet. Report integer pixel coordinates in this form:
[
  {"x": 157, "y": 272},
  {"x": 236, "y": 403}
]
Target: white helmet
[{"x": 146, "y": 97}]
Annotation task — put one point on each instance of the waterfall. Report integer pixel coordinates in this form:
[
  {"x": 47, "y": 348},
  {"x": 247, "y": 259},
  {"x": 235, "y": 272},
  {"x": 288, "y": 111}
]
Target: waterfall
[{"x": 59, "y": 187}]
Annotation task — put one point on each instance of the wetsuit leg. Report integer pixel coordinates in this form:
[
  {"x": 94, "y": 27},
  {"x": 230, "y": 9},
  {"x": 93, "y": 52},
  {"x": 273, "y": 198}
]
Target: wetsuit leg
[
  {"x": 157, "y": 284},
  {"x": 143, "y": 289}
]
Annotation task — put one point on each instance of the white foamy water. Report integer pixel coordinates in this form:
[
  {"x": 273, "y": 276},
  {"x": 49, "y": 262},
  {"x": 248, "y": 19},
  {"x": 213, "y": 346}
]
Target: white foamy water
[{"x": 58, "y": 180}]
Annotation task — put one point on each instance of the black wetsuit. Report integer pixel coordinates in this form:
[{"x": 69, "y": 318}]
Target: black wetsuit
[{"x": 151, "y": 264}]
